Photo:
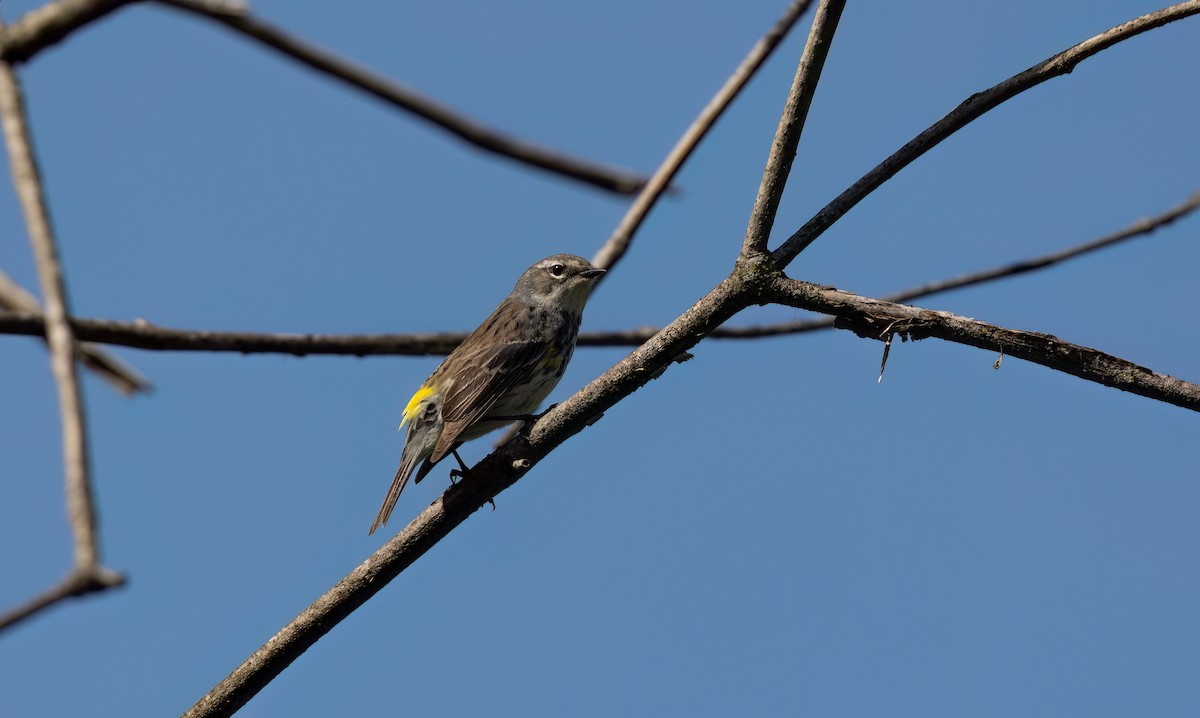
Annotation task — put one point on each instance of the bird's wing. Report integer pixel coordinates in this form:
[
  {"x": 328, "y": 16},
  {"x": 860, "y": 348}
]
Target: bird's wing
[{"x": 483, "y": 380}]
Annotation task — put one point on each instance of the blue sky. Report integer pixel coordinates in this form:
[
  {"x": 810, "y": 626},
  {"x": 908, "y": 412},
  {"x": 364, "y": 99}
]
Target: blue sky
[{"x": 763, "y": 530}]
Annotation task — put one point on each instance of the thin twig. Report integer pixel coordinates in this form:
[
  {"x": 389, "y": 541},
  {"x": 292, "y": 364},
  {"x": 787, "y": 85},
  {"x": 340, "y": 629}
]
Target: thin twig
[
  {"x": 791, "y": 126},
  {"x": 876, "y": 319},
  {"x": 971, "y": 109},
  {"x": 238, "y": 18},
  {"x": 50, "y": 24},
  {"x": 618, "y": 242},
  {"x": 123, "y": 377},
  {"x": 26, "y": 180}
]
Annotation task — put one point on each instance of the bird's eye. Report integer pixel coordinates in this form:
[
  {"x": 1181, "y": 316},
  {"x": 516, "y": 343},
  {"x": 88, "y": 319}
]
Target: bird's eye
[{"x": 557, "y": 270}]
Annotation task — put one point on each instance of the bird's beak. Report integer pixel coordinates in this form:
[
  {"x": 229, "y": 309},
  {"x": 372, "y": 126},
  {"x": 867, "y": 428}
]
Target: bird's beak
[{"x": 593, "y": 272}]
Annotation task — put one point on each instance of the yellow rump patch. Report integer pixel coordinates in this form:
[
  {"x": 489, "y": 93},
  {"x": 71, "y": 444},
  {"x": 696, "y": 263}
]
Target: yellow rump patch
[{"x": 422, "y": 394}]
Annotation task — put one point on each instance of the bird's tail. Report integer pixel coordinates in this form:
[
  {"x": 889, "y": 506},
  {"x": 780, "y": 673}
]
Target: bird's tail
[{"x": 408, "y": 462}]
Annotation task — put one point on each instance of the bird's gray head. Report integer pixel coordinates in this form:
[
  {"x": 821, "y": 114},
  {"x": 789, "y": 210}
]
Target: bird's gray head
[{"x": 561, "y": 279}]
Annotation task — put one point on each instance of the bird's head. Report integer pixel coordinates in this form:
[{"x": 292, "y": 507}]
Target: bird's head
[{"x": 561, "y": 279}]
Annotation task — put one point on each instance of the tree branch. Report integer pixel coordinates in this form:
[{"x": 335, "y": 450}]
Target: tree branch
[
  {"x": 791, "y": 126},
  {"x": 123, "y": 377},
  {"x": 495, "y": 473},
  {"x": 50, "y": 24},
  {"x": 237, "y": 17},
  {"x": 876, "y": 319},
  {"x": 142, "y": 335},
  {"x": 971, "y": 109},
  {"x": 618, "y": 242},
  {"x": 26, "y": 180},
  {"x": 79, "y": 582}
]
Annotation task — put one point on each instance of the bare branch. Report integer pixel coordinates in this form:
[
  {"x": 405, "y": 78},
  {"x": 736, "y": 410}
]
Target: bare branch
[
  {"x": 238, "y": 18},
  {"x": 791, "y": 125},
  {"x": 123, "y": 377},
  {"x": 142, "y": 335},
  {"x": 618, "y": 242},
  {"x": 50, "y": 24},
  {"x": 495, "y": 473},
  {"x": 876, "y": 319},
  {"x": 28, "y": 184},
  {"x": 79, "y": 582},
  {"x": 971, "y": 109}
]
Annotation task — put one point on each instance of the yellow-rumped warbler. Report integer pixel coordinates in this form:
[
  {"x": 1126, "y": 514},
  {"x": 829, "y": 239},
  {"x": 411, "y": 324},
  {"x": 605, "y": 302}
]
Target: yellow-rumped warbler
[{"x": 502, "y": 371}]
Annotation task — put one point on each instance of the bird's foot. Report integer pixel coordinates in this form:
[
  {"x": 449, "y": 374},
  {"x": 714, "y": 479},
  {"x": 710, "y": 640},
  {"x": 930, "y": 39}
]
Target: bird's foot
[
  {"x": 529, "y": 420},
  {"x": 461, "y": 471}
]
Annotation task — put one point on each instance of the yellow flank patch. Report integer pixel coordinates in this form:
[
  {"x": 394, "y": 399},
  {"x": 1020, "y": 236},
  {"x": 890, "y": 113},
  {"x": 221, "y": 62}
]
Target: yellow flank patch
[{"x": 422, "y": 394}]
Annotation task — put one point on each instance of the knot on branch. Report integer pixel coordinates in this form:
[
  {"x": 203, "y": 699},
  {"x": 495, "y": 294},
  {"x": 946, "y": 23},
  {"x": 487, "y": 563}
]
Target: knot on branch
[
  {"x": 91, "y": 579},
  {"x": 879, "y": 327}
]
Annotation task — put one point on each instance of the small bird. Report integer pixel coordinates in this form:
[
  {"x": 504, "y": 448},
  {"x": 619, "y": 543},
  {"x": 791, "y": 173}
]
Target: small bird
[{"x": 500, "y": 373}]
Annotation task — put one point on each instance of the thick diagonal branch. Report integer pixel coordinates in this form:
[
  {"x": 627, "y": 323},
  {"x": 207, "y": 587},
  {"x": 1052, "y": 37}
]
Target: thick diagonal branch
[
  {"x": 497, "y": 472},
  {"x": 971, "y": 109}
]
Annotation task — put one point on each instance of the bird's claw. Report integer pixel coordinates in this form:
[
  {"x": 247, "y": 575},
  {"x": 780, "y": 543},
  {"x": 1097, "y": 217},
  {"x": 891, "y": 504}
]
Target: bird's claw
[{"x": 530, "y": 420}]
